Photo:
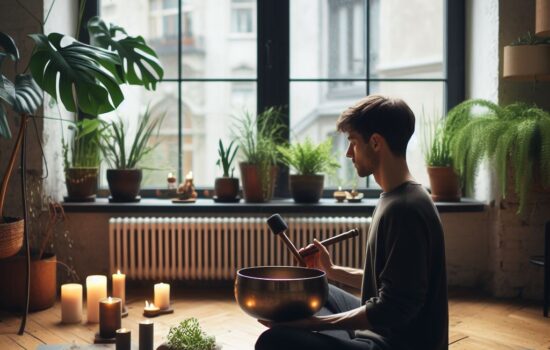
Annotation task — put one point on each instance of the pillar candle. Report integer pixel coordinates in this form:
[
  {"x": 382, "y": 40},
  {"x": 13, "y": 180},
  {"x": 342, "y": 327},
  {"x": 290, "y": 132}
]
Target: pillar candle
[
  {"x": 162, "y": 295},
  {"x": 110, "y": 317},
  {"x": 119, "y": 287},
  {"x": 71, "y": 303},
  {"x": 96, "y": 289},
  {"x": 123, "y": 339},
  {"x": 146, "y": 335}
]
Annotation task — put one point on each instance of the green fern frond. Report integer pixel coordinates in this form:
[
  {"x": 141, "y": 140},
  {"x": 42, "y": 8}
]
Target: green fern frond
[{"x": 544, "y": 130}]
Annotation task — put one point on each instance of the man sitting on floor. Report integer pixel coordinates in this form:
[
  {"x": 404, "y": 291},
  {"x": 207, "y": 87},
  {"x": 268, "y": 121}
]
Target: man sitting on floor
[{"x": 403, "y": 301}]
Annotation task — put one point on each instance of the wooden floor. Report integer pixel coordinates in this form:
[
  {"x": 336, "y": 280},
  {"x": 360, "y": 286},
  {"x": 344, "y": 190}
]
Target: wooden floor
[{"x": 476, "y": 322}]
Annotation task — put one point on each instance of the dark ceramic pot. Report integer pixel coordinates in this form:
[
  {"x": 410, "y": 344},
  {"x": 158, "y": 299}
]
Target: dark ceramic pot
[
  {"x": 226, "y": 188},
  {"x": 306, "y": 188},
  {"x": 124, "y": 184},
  {"x": 257, "y": 188},
  {"x": 444, "y": 184},
  {"x": 81, "y": 183}
]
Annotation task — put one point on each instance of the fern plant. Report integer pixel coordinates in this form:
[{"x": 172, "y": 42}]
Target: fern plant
[
  {"x": 515, "y": 136},
  {"x": 309, "y": 159}
]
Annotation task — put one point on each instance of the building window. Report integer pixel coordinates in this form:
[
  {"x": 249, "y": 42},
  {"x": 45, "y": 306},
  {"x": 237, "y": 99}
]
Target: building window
[{"x": 317, "y": 56}]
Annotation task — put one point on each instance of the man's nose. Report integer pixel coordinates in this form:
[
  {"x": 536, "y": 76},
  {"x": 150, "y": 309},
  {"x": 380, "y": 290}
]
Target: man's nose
[{"x": 349, "y": 152}]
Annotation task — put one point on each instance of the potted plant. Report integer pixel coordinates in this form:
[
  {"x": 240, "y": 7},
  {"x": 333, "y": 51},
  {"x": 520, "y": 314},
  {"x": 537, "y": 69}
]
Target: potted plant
[
  {"x": 226, "y": 188},
  {"x": 515, "y": 137},
  {"x": 527, "y": 58},
  {"x": 81, "y": 159},
  {"x": 444, "y": 181},
  {"x": 309, "y": 161},
  {"x": 124, "y": 176},
  {"x": 258, "y": 138}
]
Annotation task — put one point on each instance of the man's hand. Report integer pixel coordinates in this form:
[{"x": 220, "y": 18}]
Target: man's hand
[
  {"x": 312, "y": 323},
  {"x": 320, "y": 260}
]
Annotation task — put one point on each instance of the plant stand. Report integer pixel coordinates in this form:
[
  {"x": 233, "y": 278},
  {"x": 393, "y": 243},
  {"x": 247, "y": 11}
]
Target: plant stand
[{"x": 24, "y": 121}]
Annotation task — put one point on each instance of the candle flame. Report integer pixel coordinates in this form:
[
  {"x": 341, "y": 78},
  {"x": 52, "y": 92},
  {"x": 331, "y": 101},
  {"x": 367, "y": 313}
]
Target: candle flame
[
  {"x": 118, "y": 272},
  {"x": 170, "y": 175},
  {"x": 339, "y": 188},
  {"x": 189, "y": 176},
  {"x": 109, "y": 300}
]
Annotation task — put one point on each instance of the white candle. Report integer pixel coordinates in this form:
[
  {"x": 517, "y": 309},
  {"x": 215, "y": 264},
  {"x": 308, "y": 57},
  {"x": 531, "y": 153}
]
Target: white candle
[
  {"x": 71, "y": 303},
  {"x": 119, "y": 287},
  {"x": 162, "y": 295},
  {"x": 96, "y": 289}
]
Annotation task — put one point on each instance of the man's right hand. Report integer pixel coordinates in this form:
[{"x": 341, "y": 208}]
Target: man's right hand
[{"x": 320, "y": 260}]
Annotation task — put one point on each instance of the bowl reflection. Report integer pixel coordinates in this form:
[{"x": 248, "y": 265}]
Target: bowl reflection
[{"x": 280, "y": 293}]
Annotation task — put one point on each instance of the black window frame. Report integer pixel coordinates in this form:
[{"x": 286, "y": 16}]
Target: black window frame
[{"x": 273, "y": 66}]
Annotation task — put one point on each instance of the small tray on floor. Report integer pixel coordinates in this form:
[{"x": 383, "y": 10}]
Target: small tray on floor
[
  {"x": 100, "y": 340},
  {"x": 170, "y": 310}
]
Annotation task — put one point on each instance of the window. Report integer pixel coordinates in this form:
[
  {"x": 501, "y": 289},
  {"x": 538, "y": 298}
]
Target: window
[{"x": 317, "y": 57}]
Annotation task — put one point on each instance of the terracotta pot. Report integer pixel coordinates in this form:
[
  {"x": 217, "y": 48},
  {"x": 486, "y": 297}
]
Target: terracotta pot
[
  {"x": 124, "y": 184},
  {"x": 526, "y": 62},
  {"x": 81, "y": 183},
  {"x": 226, "y": 188},
  {"x": 444, "y": 184},
  {"x": 306, "y": 188},
  {"x": 254, "y": 190},
  {"x": 43, "y": 283},
  {"x": 11, "y": 236}
]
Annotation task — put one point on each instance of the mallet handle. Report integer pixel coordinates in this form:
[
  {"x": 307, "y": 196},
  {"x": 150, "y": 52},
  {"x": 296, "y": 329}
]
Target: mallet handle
[
  {"x": 330, "y": 241},
  {"x": 292, "y": 249}
]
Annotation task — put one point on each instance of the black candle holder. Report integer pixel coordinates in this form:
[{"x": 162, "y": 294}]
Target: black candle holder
[
  {"x": 98, "y": 339},
  {"x": 155, "y": 313}
]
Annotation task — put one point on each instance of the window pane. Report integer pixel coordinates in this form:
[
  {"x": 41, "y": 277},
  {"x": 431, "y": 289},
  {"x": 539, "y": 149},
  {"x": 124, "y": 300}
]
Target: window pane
[
  {"x": 426, "y": 101},
  {"x": 164, "y": 158},
  {"x": 402, "y": 46},
  {"x": 208, "y": 51},
  {"x": 208, "y": 114},
  {"x": 327, "y": 39},
  {"x": 314, "y": 109}
]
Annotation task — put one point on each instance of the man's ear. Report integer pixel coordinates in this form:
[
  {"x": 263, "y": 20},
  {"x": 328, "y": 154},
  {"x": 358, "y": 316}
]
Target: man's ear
[{"x": 375, "y": 141}]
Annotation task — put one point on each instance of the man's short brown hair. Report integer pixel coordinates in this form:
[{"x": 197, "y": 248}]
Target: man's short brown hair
[{"x": 390, "y": 117}]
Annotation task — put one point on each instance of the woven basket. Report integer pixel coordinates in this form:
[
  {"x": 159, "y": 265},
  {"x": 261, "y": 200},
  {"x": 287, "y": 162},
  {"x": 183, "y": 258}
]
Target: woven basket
[{"x": 11, "y": 236}]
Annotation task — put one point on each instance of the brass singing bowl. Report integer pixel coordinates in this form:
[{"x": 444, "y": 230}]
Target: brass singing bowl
[{"x": 280, "y": 293}]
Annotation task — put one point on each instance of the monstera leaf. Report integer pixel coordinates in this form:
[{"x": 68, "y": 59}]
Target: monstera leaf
[
  {"x": 87, "y": 74},
  {"x": 132, "y": 50}
]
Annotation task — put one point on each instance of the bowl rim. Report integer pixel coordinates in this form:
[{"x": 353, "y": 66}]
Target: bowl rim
[{"x": 321, "y": 273}]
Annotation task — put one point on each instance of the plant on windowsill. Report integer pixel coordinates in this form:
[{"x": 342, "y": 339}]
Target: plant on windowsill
[
  {"x": 226, "y": 188},
  {"x": 516, "y": 138},
  {"x": 258, "y": 138},
  {"x": 81, "y": 159},
  {"x": 124, "y": 174},
  {"x": 444, "y": 181},
  {"x": 309, "y": 161},
  {"x": 528, "y": 57}
]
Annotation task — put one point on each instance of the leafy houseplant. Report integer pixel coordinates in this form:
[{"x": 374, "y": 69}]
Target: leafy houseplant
[
  {"x": 444, "y": 182},
  {"x": 258, "y": 138},
  {"x": 226, "y": 187},
  {"x": 124, "y": 175},
  {"x": 81, "y": 159},
  {"x": 515, "y": 137},
  {"x": 309, "y": 161}
]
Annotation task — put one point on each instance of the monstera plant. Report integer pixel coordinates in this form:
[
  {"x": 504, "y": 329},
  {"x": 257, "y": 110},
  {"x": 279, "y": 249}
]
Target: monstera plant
[{"x": 83, "y": 78}]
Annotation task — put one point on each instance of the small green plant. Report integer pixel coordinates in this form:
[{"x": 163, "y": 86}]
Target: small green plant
[
  {"x": 113, "y": 145},
  {"x": 436, "y": 143},
  {"x": 188, "y": 335},
  {"x": 309, "y": 159},
  {"x": 227, "y": 156},
  {"x": 84, "y": 150},
  {"x": 530, "y": 39},
  {"x": 516, "y": 136}
]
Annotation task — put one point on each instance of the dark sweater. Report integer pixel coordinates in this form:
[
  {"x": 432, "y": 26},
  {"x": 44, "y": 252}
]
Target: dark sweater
[{"x": 405, "y": 282}]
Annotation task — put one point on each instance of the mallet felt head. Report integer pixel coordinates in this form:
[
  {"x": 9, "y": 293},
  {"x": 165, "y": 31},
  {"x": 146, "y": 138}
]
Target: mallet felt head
[{"x": 277, "y": 224}]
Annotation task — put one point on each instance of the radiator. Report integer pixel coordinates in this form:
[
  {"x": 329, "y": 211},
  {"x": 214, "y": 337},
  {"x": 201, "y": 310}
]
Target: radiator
[{"x": 214, "y": 248}]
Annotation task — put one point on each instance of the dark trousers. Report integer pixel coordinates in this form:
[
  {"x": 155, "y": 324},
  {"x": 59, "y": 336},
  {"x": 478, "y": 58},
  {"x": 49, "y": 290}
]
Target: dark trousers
[{"x": 286, "y": 338}]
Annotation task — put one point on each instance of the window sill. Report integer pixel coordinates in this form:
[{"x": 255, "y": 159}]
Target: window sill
[{"x": 208, "y": 206}]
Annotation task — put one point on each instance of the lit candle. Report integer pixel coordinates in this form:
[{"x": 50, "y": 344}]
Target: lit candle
[
  {"x": 150, "y": 309},
  {"x": 119, "y": 287},
  {"x": 110, "y": 317},
  {"x": 162, "y": 295},
  {"x": 71, "y": 303},
  {"x": 189, "y": 176},
  {"x": 146, "y": 335},
  {"x": 123, "y": 339},
  {"x": 96, "y": 289},
  {"x": 339, "y": 195}
]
